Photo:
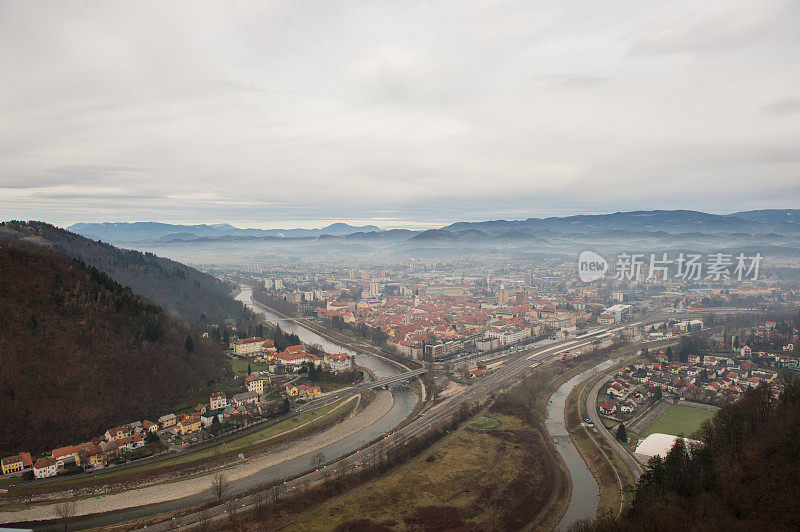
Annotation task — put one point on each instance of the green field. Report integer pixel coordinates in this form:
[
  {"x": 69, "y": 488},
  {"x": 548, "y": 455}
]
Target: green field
[
  {"x": 484, "y": 423},
  {"x": 239, "y": 366},
  {"x": 679, "y": 419}
]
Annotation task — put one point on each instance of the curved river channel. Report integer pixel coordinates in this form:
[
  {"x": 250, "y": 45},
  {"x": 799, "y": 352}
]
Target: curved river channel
[
  {"x": 404, "y": 402},
  {"x": 585, "y": 491}
]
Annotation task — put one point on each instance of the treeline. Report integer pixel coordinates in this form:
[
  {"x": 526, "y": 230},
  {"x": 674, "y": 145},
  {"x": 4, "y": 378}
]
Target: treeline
[
  {"x": 276, "y": 303},
  {"x": 743, "y": 475},
  {"x": 79, "y": 353},
  {"x": 197, "y": 298},
  {"x": 373, "y": 334},
  {"x": 318, "y": 374}
]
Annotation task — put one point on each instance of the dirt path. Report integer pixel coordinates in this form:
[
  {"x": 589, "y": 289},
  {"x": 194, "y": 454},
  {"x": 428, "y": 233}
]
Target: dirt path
[{"x": 378, "y": 408}]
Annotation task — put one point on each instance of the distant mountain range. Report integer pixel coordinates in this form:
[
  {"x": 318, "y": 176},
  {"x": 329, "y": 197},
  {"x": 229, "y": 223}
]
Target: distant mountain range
[
  {"x": 672, "y": 222},
  {"x": 776, "y": 232},
  {"x": 144, "y": 231}
]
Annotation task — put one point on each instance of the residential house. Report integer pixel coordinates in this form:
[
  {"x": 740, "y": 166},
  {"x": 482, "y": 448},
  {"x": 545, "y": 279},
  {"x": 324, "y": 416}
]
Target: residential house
[
  {"x": 245, "y": 398},
  {"x": 149, "y": 426},
  {"x": 167, "y": 420},
  {"x": 746, "y": 351},
  {"x": 13, "y": 464},
  {"x": 109, "y": 449},
  {"x": 207, "y": 418},
  {"x": 218, "y": 400},
  {"x": 256, "y": 383},
  {"x": 89, "y": 455},
  {"x": 45, "y": 467},
  {"x": 187, "y": 425},
  {"x": 616, "y": 389},
  {"x": 607, "y": 407},
  {"x": 248, "y": 346},
  {"x": 339, "y": 361},
  {"x": 117, "y": 433},
  {"x": 309, "y": 391},
  {"x": 129, "y": 443},
  {"x": 65, "y": 455}
]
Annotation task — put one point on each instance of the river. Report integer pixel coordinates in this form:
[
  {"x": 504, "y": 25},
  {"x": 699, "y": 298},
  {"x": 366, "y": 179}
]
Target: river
[
  {"x": 380, "y": 367},
  {"x": 585, "y": 491},
  {"x": 404, "y": 401}
]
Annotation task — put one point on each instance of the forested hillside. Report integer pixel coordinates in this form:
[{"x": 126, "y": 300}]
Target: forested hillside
[
  {"x": 80, "y": 354},
  {"x": 743, "y": 477},
  {"x": 179, "y": 289}
]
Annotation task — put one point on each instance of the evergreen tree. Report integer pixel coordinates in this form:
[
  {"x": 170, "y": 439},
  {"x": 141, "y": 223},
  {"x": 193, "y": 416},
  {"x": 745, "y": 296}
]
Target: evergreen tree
[
  {"x": 249, "y": 370},
  {"x": 189, "y": 344},
  {"x": 622, "y": 434}
]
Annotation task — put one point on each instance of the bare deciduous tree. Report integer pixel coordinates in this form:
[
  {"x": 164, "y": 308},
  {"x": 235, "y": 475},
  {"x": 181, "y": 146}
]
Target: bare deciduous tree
[
  {"x": 231, "y": 507},
  {"x": 219, "y": 485},
  {"x": 65, "y": 511},
  {"x": 203, "y": 519},
  {"x": 259, "y": 502}
]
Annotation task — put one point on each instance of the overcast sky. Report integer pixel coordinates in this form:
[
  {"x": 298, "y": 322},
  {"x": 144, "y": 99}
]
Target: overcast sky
[{"x": 407, "y": 113}]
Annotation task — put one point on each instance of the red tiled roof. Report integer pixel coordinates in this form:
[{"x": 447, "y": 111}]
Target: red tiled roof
[
  {"x": 63, "y": 451},
  {"x": 45, "y": 462},
  {"x": 250, "y": 340}
]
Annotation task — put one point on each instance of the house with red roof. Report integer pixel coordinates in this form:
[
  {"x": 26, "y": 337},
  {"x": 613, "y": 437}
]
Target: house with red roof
[
  {"x": 248, "y": 346},
  {"x": 18, "y": 462},
  {"x": 607, "y": 408},
  {"x": 64, "y": 454},
  {"x": 46, "y": 467},
  {"x": 339, "y": 361}
]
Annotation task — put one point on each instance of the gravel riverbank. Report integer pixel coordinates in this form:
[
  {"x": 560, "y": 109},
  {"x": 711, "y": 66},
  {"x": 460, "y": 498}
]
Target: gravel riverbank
[{"x": 378, "y": 408}]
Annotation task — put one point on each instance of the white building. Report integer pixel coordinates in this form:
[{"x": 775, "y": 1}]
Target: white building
[
  {"x": 340, "y": 361},
  {"x": 248, "y": 346},
  {"x": 256, "y": 383},
  {"x": 46, "y": 467},
  {"x": 618, "y": 312},
  {"x": 218, "y": 400}
]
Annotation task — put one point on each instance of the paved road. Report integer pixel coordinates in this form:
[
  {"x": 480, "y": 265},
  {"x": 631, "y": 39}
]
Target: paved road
[
  {"x": 502, "y": 377},
  {"x": 591, "y": 405},
  {"x": 239, "y": 433}
]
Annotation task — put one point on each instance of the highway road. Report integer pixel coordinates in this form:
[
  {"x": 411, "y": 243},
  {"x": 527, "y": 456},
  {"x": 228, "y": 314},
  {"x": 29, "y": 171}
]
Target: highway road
[{"x": 502, "y": 377}]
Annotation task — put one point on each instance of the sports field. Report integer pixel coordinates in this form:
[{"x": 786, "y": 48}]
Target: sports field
[{"x": 679, "y": 419}]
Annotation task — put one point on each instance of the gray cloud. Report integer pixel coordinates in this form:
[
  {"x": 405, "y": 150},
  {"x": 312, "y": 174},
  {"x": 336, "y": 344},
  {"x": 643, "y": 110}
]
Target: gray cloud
[
  {"x": 268, "y": 113},
  {"x": 784, "y": 106}
]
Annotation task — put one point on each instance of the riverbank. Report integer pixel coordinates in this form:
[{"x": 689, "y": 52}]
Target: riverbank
[
  {"x": 335, "y": 336},
  {"x": 378, "y": 408},
  {"x": 464, "y": 478},
  {"x": 614, "y": 479}
]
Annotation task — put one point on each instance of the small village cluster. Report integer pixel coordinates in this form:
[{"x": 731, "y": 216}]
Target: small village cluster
[
  {"x": 253, "y": 403},
  {"x": 712, "y": 379}
]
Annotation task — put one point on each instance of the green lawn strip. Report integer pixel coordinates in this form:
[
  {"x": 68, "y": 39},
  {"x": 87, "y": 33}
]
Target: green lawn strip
[
  {"x": 239, "y": 366},
  {"x": 679, "y": 419},
  {"x": 484, "y": 423}
]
